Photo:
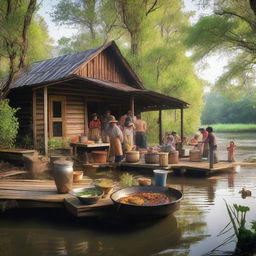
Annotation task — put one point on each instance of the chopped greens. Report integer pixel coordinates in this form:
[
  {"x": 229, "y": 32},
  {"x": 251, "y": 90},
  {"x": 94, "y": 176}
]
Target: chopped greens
[{"x": 88, "y": 193}]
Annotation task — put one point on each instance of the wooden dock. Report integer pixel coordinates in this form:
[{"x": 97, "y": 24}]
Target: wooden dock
[
  {"x": 43, "y": 194},
  {"x": 186, "y": 166}
]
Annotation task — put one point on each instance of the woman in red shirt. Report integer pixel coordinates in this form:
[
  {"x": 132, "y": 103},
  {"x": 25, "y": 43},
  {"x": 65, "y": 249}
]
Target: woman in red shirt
[{"x": 94, "y": 128}]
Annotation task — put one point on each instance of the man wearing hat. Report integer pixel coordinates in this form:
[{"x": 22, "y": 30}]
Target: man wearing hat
[
  {"x": 106, "y": 118},
  {"x": 116, "y": 138}
]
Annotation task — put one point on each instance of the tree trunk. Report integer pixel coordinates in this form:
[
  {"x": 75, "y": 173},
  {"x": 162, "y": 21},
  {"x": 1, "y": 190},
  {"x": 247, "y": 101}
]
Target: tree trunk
[
  {"x": 134, "y": 43},
  {"x": 22, "y": 47}
]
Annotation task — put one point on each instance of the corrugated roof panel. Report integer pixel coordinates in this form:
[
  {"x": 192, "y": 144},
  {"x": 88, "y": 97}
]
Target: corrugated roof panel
[{"x": 52, "y": 69}]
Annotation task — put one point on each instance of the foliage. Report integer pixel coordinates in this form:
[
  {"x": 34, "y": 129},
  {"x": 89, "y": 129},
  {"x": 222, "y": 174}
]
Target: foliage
[
  {"x": 151, "y": 36},
  {"x": 127, "y": 180},
  {"x": 15, "y": 20},
  {"x": 25, "y": 141},
  {"x": 55, "y": 143},
  {"x": 230, "y": 31},
  {"x": 38, "y": 42},
  {"x": 9, "y": 125},
  {"x": 233, "y": 127},
  {"x": 220, "y": 109},
  {"x": 246, "y": 236}
]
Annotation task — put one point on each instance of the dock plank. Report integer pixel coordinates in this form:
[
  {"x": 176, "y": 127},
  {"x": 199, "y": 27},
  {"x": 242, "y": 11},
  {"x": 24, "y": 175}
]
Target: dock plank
[
  {"x": 36, "y": 190},
  {"x": 75, "y": 207},
  {"x": 186, "y": 164}
]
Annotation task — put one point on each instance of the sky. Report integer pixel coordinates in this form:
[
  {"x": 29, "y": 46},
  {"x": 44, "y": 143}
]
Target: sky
[{"x": 210, "y": 70}]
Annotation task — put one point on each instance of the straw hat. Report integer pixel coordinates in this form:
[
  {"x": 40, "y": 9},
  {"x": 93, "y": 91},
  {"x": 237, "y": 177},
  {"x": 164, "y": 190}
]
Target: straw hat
[{"x": 113, "y": 120}]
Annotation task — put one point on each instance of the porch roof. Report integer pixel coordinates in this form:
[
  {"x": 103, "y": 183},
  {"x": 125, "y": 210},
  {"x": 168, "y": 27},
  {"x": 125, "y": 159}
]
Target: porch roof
[{"x": 146, "y": 99}]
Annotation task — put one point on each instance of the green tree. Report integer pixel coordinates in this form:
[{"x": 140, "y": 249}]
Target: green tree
[
  {"x": 151, "y": 36},
  {"x": 231, "y": 31},
  {"x": 220, "y": 109},
  {"x": 95, "y": 19},
  {"x": 15, "y": 20}
]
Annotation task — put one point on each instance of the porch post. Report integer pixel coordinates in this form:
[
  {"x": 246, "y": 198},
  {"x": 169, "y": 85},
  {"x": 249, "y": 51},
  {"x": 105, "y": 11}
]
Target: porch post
[
  {"x": 45, "y": 120},
  {"x": 86, "y": 132},
  {"x": 181, "y": 126},
  {"x": 34, "y": 119},
  {"x": 132, "y": 105},
  {"x": 160, "y": 127}
]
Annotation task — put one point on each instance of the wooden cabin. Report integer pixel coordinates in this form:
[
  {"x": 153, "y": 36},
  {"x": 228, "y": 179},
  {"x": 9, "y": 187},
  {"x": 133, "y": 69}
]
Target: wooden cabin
[{"x": 57, "y": 96}]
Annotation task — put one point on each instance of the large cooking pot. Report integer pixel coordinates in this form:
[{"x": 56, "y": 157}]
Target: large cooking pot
[{"x": 147, "y": 211}]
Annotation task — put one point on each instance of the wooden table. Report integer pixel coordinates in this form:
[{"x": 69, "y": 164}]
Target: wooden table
[{"x": 89, "y": 147}]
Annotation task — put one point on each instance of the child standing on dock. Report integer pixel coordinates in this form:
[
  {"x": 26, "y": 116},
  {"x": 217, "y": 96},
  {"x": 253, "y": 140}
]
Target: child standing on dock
[{"x": 231, "y": 149}]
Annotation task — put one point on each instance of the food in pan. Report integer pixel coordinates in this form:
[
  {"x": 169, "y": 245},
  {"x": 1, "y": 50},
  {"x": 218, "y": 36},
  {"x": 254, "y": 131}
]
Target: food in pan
[{"x": 145, "y": 199}]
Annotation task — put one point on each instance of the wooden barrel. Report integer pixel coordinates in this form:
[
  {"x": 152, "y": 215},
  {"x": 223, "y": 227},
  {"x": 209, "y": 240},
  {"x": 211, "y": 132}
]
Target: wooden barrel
[
  {"x": 99, "y": 156},
  {"x": 173, "y": 157},
  {"x": 152, "y": 158},
  {"x": 63, "y": 175},
  {"x": 195, "y": 155},
  {"x": 163, "y": 159},
  {"x": 132, "y": 156}
]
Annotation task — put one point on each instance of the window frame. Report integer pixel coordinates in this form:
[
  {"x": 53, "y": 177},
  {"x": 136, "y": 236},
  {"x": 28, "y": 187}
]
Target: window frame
[{"x": 62, "y": 119}]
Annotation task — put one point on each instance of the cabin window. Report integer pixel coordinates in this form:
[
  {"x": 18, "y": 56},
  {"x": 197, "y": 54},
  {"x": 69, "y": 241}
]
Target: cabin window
[
  {"x": 57, "y": 129},
  {"x": 57, "y": 106}
]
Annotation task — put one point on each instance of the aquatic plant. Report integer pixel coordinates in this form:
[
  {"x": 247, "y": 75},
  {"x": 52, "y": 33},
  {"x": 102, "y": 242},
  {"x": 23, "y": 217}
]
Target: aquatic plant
[
  {"x": 246, "y": 237},
  {"x": 128, "y": 180}
]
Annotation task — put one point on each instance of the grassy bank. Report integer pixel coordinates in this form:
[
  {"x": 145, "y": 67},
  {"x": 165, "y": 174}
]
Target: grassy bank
[{"x": 233, "y": 127}]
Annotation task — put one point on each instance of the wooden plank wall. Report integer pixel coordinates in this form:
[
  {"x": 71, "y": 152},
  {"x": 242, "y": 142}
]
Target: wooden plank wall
[
  {"x": 104, "y": 67},
  {"x": 75, "y": 110},
  {"x": 75, "y": 114},
  {"x": 40, "y": 117}
]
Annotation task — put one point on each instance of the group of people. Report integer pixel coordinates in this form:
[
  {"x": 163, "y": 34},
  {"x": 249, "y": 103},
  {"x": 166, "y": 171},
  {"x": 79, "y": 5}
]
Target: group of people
[
  {"x": 171, "y": 139},
  {"x": 209, "y": 142},
  {"x": 122, "y": 134}
]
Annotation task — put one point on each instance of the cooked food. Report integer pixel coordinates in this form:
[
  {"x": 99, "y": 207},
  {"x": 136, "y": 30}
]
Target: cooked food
[
  {"x": 105, "y": 183},
  {"x": 132, "y": 200},
  {"x": 145, "y": 199},
  {"x": 88, "y": 193}
]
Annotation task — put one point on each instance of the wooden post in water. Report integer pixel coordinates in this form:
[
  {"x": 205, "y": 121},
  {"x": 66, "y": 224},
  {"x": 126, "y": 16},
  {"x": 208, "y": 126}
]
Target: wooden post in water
[
  {"x": 211, "y": 157},
  {"x": 34, "y": 119},
  {"x": 181, "y": 127},
  {"x": 45, "y": 120},
  {"x": 160, "y": 127}
]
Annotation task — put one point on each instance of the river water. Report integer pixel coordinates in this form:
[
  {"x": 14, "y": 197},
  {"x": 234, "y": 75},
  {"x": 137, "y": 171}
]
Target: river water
[{"x": 193, "y": 230}]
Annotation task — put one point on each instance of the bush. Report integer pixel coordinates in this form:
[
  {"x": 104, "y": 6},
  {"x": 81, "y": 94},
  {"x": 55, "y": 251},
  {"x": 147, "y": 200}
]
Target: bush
[
  {"x": 9, "y": 124},
  {"x": 55, "y": 143}
]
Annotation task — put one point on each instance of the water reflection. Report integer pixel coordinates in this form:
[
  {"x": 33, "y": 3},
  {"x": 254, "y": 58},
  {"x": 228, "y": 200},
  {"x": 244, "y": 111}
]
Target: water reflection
[
  {"x": 101, "y": 238},
  {"x": 192, "y": 231}
]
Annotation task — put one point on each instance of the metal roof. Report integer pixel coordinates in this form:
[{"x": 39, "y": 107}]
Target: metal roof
[{"x": 52, "y": 69}]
